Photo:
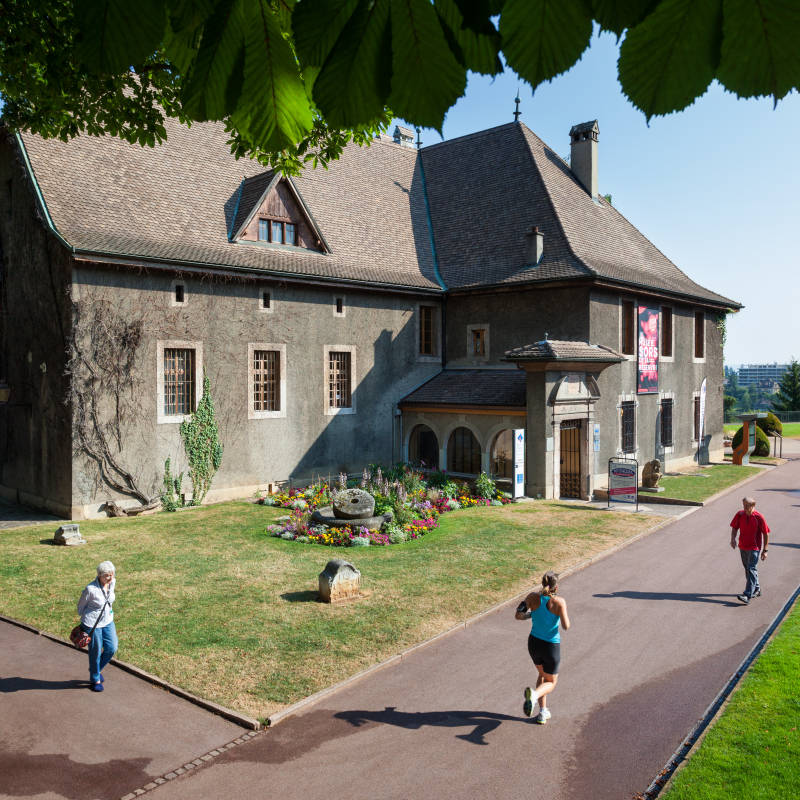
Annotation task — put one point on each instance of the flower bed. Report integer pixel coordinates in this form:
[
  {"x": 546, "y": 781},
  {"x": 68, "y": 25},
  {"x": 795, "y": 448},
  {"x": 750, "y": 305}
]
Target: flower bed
[{"x": 417, "y": 501}]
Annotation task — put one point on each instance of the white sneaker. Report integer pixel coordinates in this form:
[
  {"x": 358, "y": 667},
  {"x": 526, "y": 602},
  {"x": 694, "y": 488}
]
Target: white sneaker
[{"x": 544, "y": 715}]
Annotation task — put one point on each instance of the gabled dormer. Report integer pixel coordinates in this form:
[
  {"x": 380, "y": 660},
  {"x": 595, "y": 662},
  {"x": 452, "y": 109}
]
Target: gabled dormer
[{"x": 270, "y": 212}]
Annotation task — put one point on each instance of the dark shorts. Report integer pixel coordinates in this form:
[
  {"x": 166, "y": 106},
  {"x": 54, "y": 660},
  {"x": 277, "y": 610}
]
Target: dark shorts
[{"x": 546, "y": 655}]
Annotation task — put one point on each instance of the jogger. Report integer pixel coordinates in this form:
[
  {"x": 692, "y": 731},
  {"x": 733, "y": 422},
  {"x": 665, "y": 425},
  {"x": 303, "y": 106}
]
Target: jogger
[{"x": 544, "y": 643}]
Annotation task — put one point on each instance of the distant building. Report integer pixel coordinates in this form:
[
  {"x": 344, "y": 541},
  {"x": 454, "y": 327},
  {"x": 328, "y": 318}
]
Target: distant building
[
  {"x": 767, "y": 385},
  {"x": 751, "y": 374}
]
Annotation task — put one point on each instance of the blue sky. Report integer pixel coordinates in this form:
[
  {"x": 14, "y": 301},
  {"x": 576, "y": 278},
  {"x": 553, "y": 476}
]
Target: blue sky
[{"x": 715, "y": 187}]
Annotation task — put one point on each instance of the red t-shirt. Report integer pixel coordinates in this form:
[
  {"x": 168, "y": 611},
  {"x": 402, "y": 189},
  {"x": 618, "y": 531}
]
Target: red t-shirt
[{"x": 750, "y": 529}]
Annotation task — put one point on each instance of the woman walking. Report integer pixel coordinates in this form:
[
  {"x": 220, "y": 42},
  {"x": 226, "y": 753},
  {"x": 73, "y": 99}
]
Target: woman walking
[
  {"x": 97, "y": 621},
  {"x": 545, "y": 611}
]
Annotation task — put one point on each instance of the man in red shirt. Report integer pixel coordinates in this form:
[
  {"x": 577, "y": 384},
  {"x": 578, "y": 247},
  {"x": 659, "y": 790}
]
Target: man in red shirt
[{"x": 753, "y": 533}]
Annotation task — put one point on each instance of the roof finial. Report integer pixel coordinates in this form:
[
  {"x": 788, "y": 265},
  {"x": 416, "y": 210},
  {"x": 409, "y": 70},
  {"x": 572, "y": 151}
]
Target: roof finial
[
  {"x": 419, "y": 139},
  {"x": 517, "y": 113},
  {"x": 545, "y": 337}
]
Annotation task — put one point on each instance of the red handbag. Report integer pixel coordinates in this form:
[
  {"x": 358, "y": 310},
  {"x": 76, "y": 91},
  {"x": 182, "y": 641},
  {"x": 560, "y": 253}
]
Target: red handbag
[{"x": 78, "y": 635}]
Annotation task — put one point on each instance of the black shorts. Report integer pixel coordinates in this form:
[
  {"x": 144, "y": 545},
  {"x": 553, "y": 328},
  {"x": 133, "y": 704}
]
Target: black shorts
[{"x": 546, "y": 655}]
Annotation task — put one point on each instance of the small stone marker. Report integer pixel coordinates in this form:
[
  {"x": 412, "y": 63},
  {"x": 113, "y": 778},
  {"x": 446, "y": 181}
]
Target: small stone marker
[
  {"x": 340, "y": 580},
  {"x": 68, "y": 535}
]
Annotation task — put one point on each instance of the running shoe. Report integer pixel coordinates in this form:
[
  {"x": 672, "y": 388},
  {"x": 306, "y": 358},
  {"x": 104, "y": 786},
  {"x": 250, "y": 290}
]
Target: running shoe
[
  {"x": 527, "y": 706},
  {"x": 744, "y": 598},
  {"x": 544, "y": 715},
  {"x": 757, "y": 593}
]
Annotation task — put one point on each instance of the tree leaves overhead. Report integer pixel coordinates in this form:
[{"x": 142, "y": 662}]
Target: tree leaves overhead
[
  {"x": 668, "y": 60},
  {"x": 275, "y": 107},
  {"x": 427, "y": 79},
  {"x": 354, "y": 81},
  {"x": 543, "y": 38},
  {"x": 214, "y": 84},
  {"x": 760, "y": 48},
  {"x": 119, "y": 34},
  {"x": 296, "y": 80}
]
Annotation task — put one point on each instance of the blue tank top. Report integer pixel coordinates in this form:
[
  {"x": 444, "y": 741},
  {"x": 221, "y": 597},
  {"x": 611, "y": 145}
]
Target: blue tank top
[{"x": 544, "y": 623}]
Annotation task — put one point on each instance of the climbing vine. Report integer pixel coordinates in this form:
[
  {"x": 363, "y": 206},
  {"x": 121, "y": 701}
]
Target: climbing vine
[
  {"x": 722, "y": 324},
  {"x": 171, "y": 495},
  {"x": 201, "y": 441}
]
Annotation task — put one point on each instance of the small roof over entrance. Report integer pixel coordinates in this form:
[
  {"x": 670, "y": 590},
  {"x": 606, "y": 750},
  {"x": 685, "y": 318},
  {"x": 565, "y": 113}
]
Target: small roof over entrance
[
  {"x": 468, "y": 388},
  {"x": 562, "y": 354}
]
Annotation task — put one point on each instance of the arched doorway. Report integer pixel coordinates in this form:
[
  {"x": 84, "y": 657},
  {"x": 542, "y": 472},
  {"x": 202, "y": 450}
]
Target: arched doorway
[
  {"x": 502, "y": 455},
  {"x": 464, "y": 452},
  {"x": 423, "y": 447}
]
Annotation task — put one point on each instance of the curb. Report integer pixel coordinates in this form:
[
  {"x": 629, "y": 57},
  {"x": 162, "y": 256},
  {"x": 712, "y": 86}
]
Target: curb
[
  {"x": 692, "y": 741},
  {"x": 295, "y": 708},
  {"x": 208, "y": 705},
  {"x": 198, "y": 762}
]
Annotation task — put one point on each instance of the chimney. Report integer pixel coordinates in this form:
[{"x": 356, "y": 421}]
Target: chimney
[
  {"x": 534, "y": 247},
  {"x": 583, "y": 156},
  {"x": 404, "y": 136}
]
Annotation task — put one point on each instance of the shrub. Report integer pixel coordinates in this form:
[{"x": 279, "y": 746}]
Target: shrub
[
  {"x": 496, "y": 503},
  {"x": 303, "y": 539},
  {"x": 450, "y": 489},
  {"x": 437, "y": 478},
  {"x": 359, "y": 541},
  {"x": 453, "y": 505},
  {"x": 299, "y": 504},
  {"x": 268, "y": 501},
  {"x": 484, "y": 486},
  {"x": 396, "y": 536},
  {"x": 762, "y": 442},
  {"x": 770, "y": 424}
]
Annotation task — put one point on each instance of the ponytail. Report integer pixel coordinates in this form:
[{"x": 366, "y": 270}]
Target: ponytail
[{"x": 549, "y": 582}]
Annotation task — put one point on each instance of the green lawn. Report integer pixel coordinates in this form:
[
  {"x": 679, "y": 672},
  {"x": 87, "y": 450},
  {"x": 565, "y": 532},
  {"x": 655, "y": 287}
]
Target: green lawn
[
  {"x": 790, "y": 429},
  {"x": 688, "y": 487},
  {"x": 209, "y": 602},
  {"x": 752, "y": 750}
]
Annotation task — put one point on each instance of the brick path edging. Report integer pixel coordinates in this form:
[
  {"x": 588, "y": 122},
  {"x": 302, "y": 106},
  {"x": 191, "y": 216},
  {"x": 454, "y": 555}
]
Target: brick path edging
[{"x": 198, "y": 762}]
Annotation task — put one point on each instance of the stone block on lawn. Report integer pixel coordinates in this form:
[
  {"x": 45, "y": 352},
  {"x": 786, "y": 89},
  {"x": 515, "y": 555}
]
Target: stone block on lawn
[
  {"x": 340, "y": 580},
  {"x": 68, "y": 535}
]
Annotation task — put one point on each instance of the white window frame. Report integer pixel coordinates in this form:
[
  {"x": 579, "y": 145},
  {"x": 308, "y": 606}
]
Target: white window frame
[
  {"x": 251, "y": 412},
  {"x": 326, "y": 351},
  {"x": 627, "y": 398},
  {"x": 173, "y": 301},
  {"x": 696, "y": 360},
  {"x": 177, "y": 344},
  {"x": 437, "y": 358},
  {"x": 486, "y": 340},
  {"x": 661, "y": 356},
  {"x": 344, "y": 305}
]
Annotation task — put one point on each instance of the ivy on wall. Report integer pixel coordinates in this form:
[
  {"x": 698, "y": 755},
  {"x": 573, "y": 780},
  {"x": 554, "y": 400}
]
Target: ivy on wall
[
  {"x": 200, "y": 436},
  {"x": 171, "y": 496}
]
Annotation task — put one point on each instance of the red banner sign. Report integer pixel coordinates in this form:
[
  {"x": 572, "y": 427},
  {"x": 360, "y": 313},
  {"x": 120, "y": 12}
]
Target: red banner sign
[{"x": 648, "y": 351}]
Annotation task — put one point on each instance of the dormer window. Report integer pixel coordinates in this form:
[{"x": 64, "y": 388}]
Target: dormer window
[
  {"x": 277, "y": 232},
  {"x": 289, "y": 229},
  {"x": 263, "y": 230}
]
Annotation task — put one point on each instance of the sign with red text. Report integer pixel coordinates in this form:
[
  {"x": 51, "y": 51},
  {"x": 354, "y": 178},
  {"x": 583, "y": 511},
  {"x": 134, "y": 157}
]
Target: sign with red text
[
  {"x": 647, "y": 372},
  {"x": 623, "y": 481}
]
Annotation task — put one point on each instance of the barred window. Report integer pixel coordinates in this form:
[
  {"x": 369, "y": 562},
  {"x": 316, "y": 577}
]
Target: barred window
[
  {"x": 339, "y": 380},
  {"x": 628, "y": 328},
  {"x": 666, "y": 424},
  {"x": 266, "y": 380},
  {"x": 427, "y": 330},
  {"x": 628, "y": 419},
  {"x": 179, "y": 382}
]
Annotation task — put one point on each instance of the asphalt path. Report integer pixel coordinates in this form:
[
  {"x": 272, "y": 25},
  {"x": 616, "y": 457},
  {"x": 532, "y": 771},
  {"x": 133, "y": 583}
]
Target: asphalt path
[
  {"x": 60, "y": 740},
  {"x": 656, "y": 631}
]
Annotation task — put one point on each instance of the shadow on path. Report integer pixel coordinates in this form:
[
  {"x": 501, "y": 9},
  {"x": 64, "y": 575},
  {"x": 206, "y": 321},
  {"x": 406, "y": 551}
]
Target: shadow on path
[
  {"x": 8, "y": 685},
  {"x": 686, "y": 597},
  {"x": 785, "y": 544},
  {"x": 481, "y": 722}
]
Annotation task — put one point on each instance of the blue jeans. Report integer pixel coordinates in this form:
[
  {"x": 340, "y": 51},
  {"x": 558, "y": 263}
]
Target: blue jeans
[
  {"x": 101, "y": 649},
  {"x": 750, "y": 562}
]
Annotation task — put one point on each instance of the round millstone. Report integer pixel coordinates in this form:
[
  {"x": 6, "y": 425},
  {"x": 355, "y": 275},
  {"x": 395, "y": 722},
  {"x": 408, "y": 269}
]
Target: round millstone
[{"x": 353, "y": 504}]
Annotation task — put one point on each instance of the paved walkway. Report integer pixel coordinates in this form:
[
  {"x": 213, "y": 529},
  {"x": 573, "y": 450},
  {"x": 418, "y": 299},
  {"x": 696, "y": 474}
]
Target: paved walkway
[
  {"x": 14, "y": 515},
  {"x": 656, "y": 631}
]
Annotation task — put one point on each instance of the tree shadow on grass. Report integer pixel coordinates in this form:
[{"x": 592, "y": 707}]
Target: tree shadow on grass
[{"x": 300, "y": 597}]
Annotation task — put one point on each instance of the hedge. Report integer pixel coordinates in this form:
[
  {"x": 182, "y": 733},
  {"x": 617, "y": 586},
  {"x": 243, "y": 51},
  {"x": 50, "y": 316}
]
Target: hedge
[{"x": 762, "y": 442}]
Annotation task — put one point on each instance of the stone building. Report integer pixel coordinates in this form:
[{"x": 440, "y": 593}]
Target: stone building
[{"x": 416, "y": 304}]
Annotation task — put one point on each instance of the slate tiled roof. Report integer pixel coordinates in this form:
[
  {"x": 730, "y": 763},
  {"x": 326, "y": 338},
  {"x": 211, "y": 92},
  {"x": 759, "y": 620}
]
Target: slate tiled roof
[
  {"x": 475, "y": 387},
  {"x": 554, "y": 350},
  {"x": 250, "y": 192},
  {"x": 176, "y": 202},
  {"x": 488, "y": 189}
]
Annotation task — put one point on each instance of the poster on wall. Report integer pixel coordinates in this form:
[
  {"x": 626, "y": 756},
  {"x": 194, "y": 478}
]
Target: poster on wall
[{"x": 648, "y": 351}]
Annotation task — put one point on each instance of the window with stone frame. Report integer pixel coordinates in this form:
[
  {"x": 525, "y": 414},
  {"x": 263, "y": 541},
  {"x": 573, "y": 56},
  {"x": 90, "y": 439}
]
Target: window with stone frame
[
  {"x": 339, "y": 395},
  {"x": 666, "y": 332},
  {"x": 179, "y": 382},
  {"x": 699, "y": 334},
  {"x": 667, "y": 437},
  {"x": 479, "y": 342},
  {"x": 628, "y": 327},
  {"x": 628, "y": 426},
  {"x": 266, "y": 380},
  {"x": 428, "y": 332}
]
